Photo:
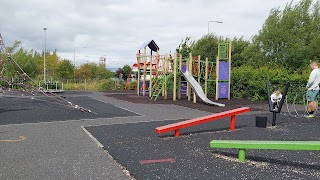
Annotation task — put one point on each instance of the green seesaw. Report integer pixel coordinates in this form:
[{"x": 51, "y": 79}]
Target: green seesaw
[{"x": 243, "y": 145}]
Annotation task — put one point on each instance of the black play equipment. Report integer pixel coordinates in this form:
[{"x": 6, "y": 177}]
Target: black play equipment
[
  {"x": 261, "y": 121},
  {"x": 274, "y": 117}
]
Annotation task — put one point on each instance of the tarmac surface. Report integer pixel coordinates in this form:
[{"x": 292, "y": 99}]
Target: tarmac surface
[
  {"x": 42, "y": 140},
  {"x": 63, "y": 149},
  {"x": 146, "y": 155},
  {"x": 27, "y": 110}
]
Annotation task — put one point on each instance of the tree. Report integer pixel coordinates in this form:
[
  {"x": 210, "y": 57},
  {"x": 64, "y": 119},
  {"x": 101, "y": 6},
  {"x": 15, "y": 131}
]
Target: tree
[
  {"x": 119, "y": 73},
  {"x": 185, "y": 47},
  {"x": 8, "y": 70},
  {"x": 84, "y": 72},
  {"x": 38, "y": 59},
  {"x": 102, "y": 72},
  {"x": 25, "y": 61},
  {"x": 93, "y": 67},
  {"x": 52, "y": 61},
  {"x": 238, "y": 46},
  {"x": 126, "y": 69},
  {"x": 93, "y": 71},
  {"x": 206, "y": 47},
  {"x": 65, "y": 69},
  {"x": 288, "y": 38},
  {"x": 11, "y": 49}
]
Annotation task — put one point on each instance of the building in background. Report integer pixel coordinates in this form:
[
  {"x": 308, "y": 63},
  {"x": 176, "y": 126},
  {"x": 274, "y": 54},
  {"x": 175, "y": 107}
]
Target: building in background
[{"x": 102, "y": 60}]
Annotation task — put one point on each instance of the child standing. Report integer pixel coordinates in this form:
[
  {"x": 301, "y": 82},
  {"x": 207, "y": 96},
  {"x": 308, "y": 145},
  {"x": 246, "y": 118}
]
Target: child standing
[{"x": 275, "y": 99}]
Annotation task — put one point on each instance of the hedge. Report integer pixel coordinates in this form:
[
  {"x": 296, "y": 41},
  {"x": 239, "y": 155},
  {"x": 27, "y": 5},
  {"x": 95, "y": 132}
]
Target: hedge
[{"x": 248, "y": 82}]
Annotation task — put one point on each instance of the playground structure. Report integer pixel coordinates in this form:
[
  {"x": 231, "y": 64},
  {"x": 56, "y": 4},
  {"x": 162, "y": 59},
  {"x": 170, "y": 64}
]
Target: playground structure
[{"x": 189, "y": 76}]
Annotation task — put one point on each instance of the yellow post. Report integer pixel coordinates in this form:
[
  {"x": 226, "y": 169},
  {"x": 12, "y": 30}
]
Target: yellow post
[
  {"x": 217, "y": 76},
  {"x": 157, "y": 60},
  {"x": 144, "y": 72},
  {"x": 175, "y": 77},
  {"x": 157, "y": 69},
  {"x": 229, "y": 70},
  {"x": 180, "y": 70},
  {"x": 190, "y": 71},
  {"x": 166, "y": 80},
  {"x": 138, "y": 83},
  {"x": 199, "y": 74},
  {"x": 206, "y": 78},
  {"x": 157, "y": 63},
  {"x": 163, "y": 75},
  {"x": 150, "y": 72},
  {"x": 194, "y": 92},
  {"x": 199, "y": 68},
  {"x": 188, "y": 85}
]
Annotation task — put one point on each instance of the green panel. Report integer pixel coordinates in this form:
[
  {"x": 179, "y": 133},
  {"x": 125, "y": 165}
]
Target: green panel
[
  {"x": 276, "y": 145},
  {"x": 223, "y": 50},
  {"x": 157, "y": 86}
]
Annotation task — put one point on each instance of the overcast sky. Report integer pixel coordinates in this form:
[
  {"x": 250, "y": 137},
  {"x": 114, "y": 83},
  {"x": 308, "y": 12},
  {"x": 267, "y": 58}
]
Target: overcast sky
[{"x": 116, "y": 29}]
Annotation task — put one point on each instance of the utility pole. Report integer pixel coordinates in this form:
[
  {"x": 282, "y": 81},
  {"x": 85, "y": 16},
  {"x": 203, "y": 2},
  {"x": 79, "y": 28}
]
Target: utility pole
[{"x": 44, "y": 56}]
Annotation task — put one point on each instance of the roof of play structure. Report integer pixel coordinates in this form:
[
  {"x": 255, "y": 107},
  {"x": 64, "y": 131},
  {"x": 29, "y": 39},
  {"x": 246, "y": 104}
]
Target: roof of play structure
[{"x": 151, "y": 44}]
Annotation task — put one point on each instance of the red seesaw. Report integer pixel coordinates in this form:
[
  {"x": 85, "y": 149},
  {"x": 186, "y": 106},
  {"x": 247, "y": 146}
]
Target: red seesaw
[{"x": 192, "y": 122}]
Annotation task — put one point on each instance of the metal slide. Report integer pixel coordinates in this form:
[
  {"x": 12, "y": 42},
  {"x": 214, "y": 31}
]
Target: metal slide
[{"x": 196, "y": 86}]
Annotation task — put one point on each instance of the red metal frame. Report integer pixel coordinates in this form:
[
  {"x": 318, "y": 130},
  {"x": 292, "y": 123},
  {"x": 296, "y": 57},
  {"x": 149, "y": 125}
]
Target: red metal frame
[{"x": 192, "y": 122}]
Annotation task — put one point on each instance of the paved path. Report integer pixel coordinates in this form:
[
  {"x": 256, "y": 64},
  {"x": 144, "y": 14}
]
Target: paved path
[{"x": 63, "y": 150}]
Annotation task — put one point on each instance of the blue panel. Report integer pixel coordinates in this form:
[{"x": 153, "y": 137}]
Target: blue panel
[
  {"x": 223, "y": 70},
  {"x": 223, "y": 90},
  {"x": 184, "y": 68}
]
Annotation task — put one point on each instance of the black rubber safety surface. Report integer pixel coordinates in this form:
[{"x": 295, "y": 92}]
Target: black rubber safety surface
[
  {"x": 147, "y": 155},
  {"x": 14, "y": 110}
]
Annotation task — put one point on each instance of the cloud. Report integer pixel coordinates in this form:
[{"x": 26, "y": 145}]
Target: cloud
[{"x": 116, "y": 29}]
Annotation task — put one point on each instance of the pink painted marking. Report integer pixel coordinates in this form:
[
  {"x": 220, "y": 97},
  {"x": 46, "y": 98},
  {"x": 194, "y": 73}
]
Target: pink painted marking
[{"x": 171, "y": 160}]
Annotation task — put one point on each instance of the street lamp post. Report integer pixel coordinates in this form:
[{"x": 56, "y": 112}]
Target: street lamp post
[
  {"x": 44, "y": 57},
  {"x": 213, "y": 21},
  {"x": 74, "y": 65}
]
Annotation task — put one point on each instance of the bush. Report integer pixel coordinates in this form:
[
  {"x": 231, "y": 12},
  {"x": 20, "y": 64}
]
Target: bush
[
  {"x": 105, "y": 84},
  {"x": 249, "y": 82},
  {"x": 93, "y": 85},
  {"x": 132, "y": 86},
  {"x": 74, "y": 86}
]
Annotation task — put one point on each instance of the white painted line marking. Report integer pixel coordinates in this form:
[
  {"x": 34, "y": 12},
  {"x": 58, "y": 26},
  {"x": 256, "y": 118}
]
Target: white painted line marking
[{"x": 92, "y": 137}]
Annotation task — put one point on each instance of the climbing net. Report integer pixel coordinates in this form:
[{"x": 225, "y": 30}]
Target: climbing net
[{"x": 15, "y": 82}]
